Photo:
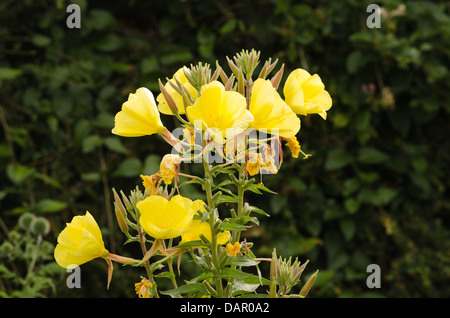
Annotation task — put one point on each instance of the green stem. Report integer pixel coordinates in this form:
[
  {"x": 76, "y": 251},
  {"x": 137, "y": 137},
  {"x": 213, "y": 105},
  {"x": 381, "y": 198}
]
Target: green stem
[
  {"x": 146, "y": 263},
  {"x": 215, "y": 251},
  {"x": 33, "y": 260},
  {"x": 240, "y": 188}
]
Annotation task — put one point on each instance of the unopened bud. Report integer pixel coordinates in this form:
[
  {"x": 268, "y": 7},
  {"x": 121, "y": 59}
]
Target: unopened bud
[
  {"x": 306, "y": 288},
  {"x": 168, "y": 98},
  {"x": 277, "y": 77}
]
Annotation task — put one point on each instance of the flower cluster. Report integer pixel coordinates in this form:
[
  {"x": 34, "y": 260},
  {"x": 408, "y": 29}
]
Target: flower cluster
[{"x": 236, "y": 121}]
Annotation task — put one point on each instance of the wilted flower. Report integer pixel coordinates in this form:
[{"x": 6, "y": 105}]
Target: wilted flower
[
  {"x": 233, "y": 249},
  {"x": 169, "y": 167},
  {"x": 143, "y": 288},
  {"x": 80, "y": 242},
  {"x": 261, "y": 163},
  {"x": 294, "y": 146},
  {"x": 306, "y": 94},
  {"x": 149, "y": 183},
  {"x": 139, "y": 116}
]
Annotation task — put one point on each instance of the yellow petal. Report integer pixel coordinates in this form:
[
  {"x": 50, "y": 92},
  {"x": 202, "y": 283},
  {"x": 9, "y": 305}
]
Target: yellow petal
[
  {"x": 79, "y": 242},
  {"x": 270, "y": 112},
  {"x": 164, "y": 219},
  {"x": 306, "y": 94},
  {"x": 223, "y": 113},
  {"x": 139, "y": 116}
]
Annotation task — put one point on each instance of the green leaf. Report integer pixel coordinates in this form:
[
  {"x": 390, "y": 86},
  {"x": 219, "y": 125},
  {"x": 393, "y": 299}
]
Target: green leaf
[
  {"x": 115, "y": 144},
  {"x": 230, "y": 273},
  {"x": 370, "y": 155},
  {"x": 257, "y": 210},
  {"x": 50, "y": 205},
  {"x": 185, "y": 289},
  {"x": 337, "y": 159},
  {"x": 130, "y": 167},
  {"x": 241, "y": 287},
  {"x": 41, "y": 40},
  {"x": 348, "y": 228},
  {"x": 18, "y": 173},
  {"x": 355, "y": 61},
  {"x": 168, "y": 275},
  {"x": 232, "y": 226},
  {"x": 190, "y": 244},
  {"x": 241, "y": 260},
  {"x": 351, "y": 205},
  {"x": 227, "y": 198},
  {"x": 9, "y": 73},
  {"x": 383, "y": 195},
  {"x": 90, "y": 143}
]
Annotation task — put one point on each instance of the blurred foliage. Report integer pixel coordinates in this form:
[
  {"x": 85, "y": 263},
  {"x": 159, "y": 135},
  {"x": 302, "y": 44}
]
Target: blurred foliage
[{"x": 375, "y": 190}]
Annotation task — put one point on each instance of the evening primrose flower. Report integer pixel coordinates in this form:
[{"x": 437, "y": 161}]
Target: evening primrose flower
[
  {"x": 306, "y": 94},
  {"x": 222, "y": 113},
  {"x": 169, "y": 167},
  {"x": 139, "y": 116},
  {"x": 270, "y": 112},
  {"x": 164, "y": 219},
  {"x": 80, "y": 242},
  {"x": 177, "y": 98}
]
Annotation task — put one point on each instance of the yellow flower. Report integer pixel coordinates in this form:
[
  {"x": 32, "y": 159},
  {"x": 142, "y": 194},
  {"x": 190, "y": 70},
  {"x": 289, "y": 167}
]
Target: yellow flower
[
  {"x": 139, "y": 116},
  {"x": 223, "y": 113},
  {"x": 271, "y": 112},
  {"x": 203, "y": 228},
  {"x": 80, "y": 242},
  {"x": 306, "y": 94},
  {"x": 177, "y": 98},
  {"x": 164, "y": 219},
  {"x": 143, "y": 288},
  {"x": 149, "y": 183},
  {"x": 169, "y": 167},
  {"x": 257, "y": 163},
  {"x": 233, "y": 249}
]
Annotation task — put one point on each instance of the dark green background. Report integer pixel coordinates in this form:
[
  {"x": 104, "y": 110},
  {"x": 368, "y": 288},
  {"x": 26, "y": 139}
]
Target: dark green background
[{"x": 375, "y": 190}]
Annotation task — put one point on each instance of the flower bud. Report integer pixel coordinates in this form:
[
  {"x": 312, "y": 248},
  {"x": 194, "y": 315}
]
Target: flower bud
[
  {"x": 120, "y": 212},
  {"x": 6, "y": 247},
  {"x": 306, "y": 288}
]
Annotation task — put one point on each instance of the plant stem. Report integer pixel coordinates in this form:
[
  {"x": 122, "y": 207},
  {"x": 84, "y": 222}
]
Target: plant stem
[
  {"x": 240, "y": 211},
  {"x": 214, "y": 248},
  {"x": 146, "y": 264}
]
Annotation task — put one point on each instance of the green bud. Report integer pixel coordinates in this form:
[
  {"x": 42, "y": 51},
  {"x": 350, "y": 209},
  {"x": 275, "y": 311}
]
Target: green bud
[
  {"x": 14, "y": 236},
  {"x": 25, "y": 220},
  {"x": 40, "y": 226},
  {"x": 307, "y": 287},
  {"x": 6, "y": 247}
]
